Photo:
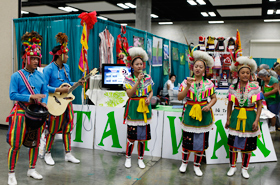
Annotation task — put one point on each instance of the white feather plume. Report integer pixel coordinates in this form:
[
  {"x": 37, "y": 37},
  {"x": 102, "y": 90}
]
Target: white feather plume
[
  {"x": 204, "y": 56},
  {"x": 245, "y": 60},
  {"x": 138, "y": 51}
]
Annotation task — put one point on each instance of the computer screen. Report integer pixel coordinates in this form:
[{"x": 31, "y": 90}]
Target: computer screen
[{"x": 113, "y": 75}]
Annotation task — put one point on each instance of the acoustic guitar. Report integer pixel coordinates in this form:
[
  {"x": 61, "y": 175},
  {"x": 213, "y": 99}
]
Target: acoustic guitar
[{"x": 58, "y": 102}]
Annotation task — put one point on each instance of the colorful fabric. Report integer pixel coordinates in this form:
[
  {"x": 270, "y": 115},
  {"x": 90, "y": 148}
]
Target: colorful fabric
[
  {"x": 274, "y": 108},
  {"x": 254, "y": 94},
  {"x": 185, "y": 156},
  {"x": 18, "y": 90},
  {"x": 63, "y": 122},
  {"x": 232, "y": 157},
  {"x": 244, "y": 129},
  {"x": 133, "y": 117},
  {"x": 242, "y": 144},
  {"x": 195, "y": 142},
  {"x": 15, "y": 138},
  {"x": 274, "y": 98},
  {"x": 209, "y": 90},
  {"x": 146, "y": 88},
  {"x": 54, "y": 76},
  {"x": 139, "y": 133},
  {"x": 106, "y": 47},
  {"x": 141, "y": 149},
  {"x": 197, "y": 158}
]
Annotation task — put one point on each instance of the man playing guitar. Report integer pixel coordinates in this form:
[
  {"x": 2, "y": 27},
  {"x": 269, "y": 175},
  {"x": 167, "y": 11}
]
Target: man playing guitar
[{"x": 57, "y": 73}]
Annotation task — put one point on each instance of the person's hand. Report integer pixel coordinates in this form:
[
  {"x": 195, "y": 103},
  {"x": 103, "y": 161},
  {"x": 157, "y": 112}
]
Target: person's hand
[
  {"x": 227, "y": 124},
  {"x": 190, "y": 80},
  {"x": 140, "y": 76},
  {"x": 37, "y": 97},
  {"x": 147, "y": 101},
  {"x": 64, "y": 89},
  {"x": 44, "y": 105},
  {"x": 255, "y": 125},
  {"x": 265, "y": 94},
  {"x": 206, "y": 108},
  {"x": 81, "y": 81}
]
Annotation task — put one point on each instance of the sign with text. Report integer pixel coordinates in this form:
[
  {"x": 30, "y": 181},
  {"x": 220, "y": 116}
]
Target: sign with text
[
  {"x": 220, "y": 107},
  {"x": 83, "y": 130},
  {"x": 111, "y": 132}
]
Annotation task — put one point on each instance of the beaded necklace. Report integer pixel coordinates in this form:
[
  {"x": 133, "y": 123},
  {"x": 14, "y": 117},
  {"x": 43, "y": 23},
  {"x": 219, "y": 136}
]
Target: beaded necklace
[
  {"x": 140, "y": 86},
  {"x": 241, "y": 95},
  {"x": 199, "y": 96}
]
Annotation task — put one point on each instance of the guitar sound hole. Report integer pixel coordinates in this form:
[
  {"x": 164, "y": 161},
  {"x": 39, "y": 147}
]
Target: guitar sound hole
[
  {"x": 68, "y": 98},
  {"x": 56, "y": 100}
]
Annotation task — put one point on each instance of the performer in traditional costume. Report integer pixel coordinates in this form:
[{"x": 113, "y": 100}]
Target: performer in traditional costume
[
  {"x": 138, "y": 112},
  {"x": 26, "y": 87},
  {"x": 197, "y": 118},
  {"x": 57, "y": 73},
  {"x": 243, "y": 121}
]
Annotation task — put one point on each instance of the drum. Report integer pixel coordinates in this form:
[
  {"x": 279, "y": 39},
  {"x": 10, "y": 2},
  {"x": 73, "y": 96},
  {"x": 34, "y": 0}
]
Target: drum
[{"x": 35, "y": 117}]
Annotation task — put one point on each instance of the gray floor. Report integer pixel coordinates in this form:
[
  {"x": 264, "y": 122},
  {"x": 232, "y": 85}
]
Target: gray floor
[{"x": 101, "y": 167}]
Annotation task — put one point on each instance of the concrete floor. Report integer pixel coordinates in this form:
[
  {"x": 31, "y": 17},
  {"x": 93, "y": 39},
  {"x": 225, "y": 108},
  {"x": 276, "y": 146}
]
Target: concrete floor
[{"x": 102, "y": 167}]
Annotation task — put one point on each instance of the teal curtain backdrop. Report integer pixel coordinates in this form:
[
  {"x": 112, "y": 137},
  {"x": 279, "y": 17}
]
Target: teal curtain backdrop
[
  {"x": 49, "y": 26},
  {"x": 268, "y": 61}
]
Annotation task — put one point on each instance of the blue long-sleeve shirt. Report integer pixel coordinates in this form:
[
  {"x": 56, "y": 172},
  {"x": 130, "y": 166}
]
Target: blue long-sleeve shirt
[
  {"x": 54, "y": 76},
  {"x": 19, "y": 91}
]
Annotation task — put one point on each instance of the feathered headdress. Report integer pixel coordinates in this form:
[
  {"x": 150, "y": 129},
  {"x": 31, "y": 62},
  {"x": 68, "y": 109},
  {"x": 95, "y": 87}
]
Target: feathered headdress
[
  {"x": 244, "y": 61},
  {"x": 63, "y": 40},
  {"x": 32, "y": 46},
  {"x": 200, "y": 55},
  {"x": 133, "y": 53}
]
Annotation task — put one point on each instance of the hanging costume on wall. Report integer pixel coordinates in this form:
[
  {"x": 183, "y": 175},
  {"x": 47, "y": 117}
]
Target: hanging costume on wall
[
  {"x": 231, "y": 44},
  {"x": 242, "y": 138},
  {"x": 137, "y": 114},
  {"x": 201, "y": 43},
  {"x": 55, "y": 77},
  {"x": 196, "y": 124},
  {"x": 210, "y": 43},
  {"x": 220, "y": 46},
  {"x": 120, "y": 45},
  {"x": 106, "y": 47},
  {"x": 23, "y": 83}
]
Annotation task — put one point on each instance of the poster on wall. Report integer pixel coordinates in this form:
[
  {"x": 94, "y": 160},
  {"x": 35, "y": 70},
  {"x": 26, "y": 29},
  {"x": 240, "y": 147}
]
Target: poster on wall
[
  {"x": 182, "y": 59},
  {"x": 149, "y": 52},
  {"x": 138, "y": 42},
  {"x": 157, "y": 52},
  {"x": 166, "y": 62},
  {"x": 175, "y": 54}
]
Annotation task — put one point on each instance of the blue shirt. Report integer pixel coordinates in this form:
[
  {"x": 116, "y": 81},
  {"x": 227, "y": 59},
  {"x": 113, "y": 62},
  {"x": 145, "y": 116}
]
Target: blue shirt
[
  {"x": 54, "y": 76},
  {"x": 19, "y": 91}
]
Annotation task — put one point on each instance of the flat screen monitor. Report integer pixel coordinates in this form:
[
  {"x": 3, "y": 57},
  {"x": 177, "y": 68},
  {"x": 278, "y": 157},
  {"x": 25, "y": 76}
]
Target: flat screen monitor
[{"x": 113, "y": 75}]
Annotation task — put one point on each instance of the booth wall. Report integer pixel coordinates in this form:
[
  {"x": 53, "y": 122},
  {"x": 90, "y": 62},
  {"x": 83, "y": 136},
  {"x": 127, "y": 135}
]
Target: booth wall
[
  {"x": 249, "y": 30},
  {"x": 9, "y": 10}
]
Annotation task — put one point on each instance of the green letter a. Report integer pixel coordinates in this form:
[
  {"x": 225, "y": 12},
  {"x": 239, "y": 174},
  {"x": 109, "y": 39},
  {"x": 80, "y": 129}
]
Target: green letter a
[{"x": 113, "y": 131}]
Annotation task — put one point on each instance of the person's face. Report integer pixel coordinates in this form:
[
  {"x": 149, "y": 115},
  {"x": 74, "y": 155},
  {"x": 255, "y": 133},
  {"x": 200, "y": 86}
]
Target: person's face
[
  {"x": 244, "y": 74},
  {"x": 264, "y": 78},
  {"x": 34, "y": 61},
  {"x": 198, "y": 68},
  {"x": 65, "y": 57},
  {"x": 173, "y": 78},
  {"x": 137, "y": 65}
]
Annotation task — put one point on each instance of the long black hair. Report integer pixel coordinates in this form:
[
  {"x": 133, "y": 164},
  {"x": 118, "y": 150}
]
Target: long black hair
[{"x": 54, "y": 50}]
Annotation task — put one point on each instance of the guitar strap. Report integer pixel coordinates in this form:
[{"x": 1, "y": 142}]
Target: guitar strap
[{"x": 28, "y": 86}]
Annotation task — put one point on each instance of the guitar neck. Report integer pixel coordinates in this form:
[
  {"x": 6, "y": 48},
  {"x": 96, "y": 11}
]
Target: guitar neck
[{"x": 77, "y": 84}]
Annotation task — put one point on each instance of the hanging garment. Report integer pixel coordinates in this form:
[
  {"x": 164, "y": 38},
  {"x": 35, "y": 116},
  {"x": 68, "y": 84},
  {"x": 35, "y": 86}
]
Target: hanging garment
[
  {"x": 220, "y": 46},
  {"x": 226, "y": 62},
  {"x": 201, "y": 43},
  {"x": 120, "y": 44},
  {"x": 106, "y": 47},
  {"x": 231, "y": 44},
  {"x": 217, "y": 62},
  {"x": 210, "y": 43}
]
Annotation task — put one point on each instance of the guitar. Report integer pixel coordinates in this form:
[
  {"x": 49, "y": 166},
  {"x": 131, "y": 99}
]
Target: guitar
[{"x": 58, "y": 102}]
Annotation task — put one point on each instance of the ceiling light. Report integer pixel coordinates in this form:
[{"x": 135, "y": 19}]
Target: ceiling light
[
  {"x": 191, "y": 2},
  {"x": 122, "y": 6},
  {"x": 201, "y": 2},
  {"x": 165, "y": 23},
  {"x": 269, "y": 12},
  {"x": 103, "y": 18},
  {"x": 278, "y": 11},
  {"x": 272, "y": 0},
  {"x": 130, "y": 5},
  {"x": 272, "y": 20},
  {"x": 68, "y": 9},
  {"x": 215, "y": 22},
  {"x": 123, "y": 24},
  {"x": 24, "y": 12},
  {"x": 64, "y": 9},
  {"x": 204, "y": 14},
  {"x": 212, "y": 14},
  {"x": 154, "y": 16}
]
